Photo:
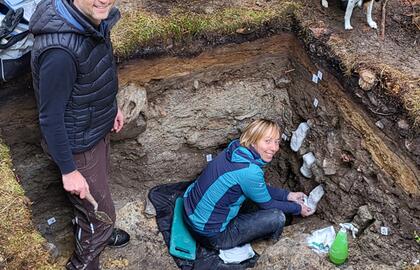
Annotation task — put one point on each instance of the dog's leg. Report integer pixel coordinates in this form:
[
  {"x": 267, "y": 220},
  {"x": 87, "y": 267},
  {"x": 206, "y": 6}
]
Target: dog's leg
[
  {"x": 371, "y": 22},
  {"x": 324, "y": 3},
  {"x": 349, "y": 11}
]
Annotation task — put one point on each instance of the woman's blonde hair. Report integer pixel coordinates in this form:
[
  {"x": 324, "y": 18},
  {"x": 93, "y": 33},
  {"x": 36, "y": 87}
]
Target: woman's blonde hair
[{"x": 256, "y": 130}]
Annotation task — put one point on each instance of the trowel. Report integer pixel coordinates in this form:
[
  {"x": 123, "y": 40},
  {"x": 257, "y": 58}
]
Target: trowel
[{"x": 99, "y": 215}]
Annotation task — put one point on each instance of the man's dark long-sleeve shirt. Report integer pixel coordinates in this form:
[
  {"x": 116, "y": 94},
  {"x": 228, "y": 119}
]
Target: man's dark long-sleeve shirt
[{"x": 57, "y": 76}]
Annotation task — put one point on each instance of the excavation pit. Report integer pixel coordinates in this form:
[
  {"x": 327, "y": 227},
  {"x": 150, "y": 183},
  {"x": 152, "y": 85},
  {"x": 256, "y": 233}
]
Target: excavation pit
[{"x": 178, "y": 110}]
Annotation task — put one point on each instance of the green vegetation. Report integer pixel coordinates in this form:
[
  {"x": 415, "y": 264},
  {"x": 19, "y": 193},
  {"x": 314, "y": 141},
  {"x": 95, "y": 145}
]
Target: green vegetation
[
  {"x": 139, "y": 28},
  {"x": 20, "y": 243},
  {"x": 412, "y": 103}
]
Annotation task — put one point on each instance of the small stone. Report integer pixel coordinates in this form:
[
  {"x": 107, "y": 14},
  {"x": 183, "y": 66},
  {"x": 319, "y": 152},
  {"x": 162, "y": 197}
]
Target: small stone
[
  {"x": 196, "y": 84},
  {"x": 379, "y": 124},
  {"x": 363, "y": 217},
  {"x": 208, "y": 10},
  {"x": 281, "y": 82},
  {"x": 367, "y": 79},
  {"x": 329, "y": 167},
  {"x": 240, "y": 30},
  {"x": 52, "y": 250},
  {"x": 403, "y": 124},
  {"x": 149, "y": 209},
  {"x": 311, "y": 123},
  {"x": 312, "y": 47},
  {"x": 394, "y": 219},
  {"x": 373, "y": 99},
  {"x": 413, "y": 146}
]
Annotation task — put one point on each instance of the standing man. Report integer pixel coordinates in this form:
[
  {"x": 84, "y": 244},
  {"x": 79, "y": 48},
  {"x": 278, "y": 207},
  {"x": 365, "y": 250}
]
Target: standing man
[{"x": 75, "y": 83}]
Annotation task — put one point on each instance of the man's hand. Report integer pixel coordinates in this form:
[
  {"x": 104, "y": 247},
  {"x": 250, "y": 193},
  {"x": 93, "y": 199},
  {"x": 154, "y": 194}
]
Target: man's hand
[
  {"x": 306, "y": 211},
  {"x": 75, "y": 183},
  {"x": 118, "y": 121},
  {"x": 296, "y": 197}
]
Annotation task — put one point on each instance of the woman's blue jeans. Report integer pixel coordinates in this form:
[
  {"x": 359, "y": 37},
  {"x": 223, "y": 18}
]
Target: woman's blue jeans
[{"x": 244, "y": 228}]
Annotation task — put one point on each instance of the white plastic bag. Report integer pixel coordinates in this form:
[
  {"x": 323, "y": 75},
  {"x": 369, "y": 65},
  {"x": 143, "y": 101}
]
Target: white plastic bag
[
  {"x": 237, "y": 254},
  {"x": 298, "y": 136},
  {"x": 321, "y": 240},
  {"x": 314, "y": 197},
  {"x": 308, "y": 160}
]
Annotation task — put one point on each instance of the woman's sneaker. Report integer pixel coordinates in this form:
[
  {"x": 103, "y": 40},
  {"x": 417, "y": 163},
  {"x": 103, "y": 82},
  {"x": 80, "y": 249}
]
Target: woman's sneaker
[{"x": 119, "y": 238}]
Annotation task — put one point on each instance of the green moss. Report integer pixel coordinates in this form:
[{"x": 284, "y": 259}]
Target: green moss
[
  {"x": 139, "y": 28},
  {"x": 412, "y": 103},
  {"x": 21, "y": 244}
]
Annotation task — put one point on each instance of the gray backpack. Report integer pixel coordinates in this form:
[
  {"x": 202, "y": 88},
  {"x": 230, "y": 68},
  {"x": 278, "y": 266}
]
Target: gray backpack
[{"x": 15, "y": 40}]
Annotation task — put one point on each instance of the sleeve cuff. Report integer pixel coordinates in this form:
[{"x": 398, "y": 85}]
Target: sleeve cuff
[
  {"x": 67, "y": 167},
  {"x": 286, "y": 195},
  {"x": 297, "y": 209}
]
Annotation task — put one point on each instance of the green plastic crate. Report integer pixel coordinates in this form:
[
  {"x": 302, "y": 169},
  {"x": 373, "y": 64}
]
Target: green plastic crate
[{"x": 182, "y": 244}]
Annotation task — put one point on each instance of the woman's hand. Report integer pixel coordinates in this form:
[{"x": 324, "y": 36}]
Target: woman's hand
[
  {"x": 296, "y": 197},
  {"x": 306, "y": 211}
]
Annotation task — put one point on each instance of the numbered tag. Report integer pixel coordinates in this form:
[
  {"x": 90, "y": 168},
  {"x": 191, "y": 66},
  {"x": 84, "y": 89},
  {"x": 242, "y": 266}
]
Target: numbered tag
[
  {"x": 314, "y": 78},
  {"x": 320, "y": 75},
  {"x": 384, "y": 230},
  {"x": 316, "y": 102},
  {"x": 51, "y": 221},
  {"x": 209, "y": 157}
]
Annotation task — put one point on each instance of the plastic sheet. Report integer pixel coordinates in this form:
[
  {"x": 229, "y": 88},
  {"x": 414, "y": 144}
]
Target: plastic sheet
[
  {"x": 237, "y": 254},
  {"x": 321, "y": 240}
]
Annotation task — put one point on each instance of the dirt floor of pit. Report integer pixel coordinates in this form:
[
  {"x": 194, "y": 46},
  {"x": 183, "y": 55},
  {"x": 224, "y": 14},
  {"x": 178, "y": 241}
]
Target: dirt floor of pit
[{"x": 41, "y": 180}]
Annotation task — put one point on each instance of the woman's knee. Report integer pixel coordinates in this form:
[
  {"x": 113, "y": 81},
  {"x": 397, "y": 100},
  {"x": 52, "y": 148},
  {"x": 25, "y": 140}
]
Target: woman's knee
[
  {"x": 279, "y": 220},
  {"x": 274, "y": 218},
  {"x": 279, "y": 216}
]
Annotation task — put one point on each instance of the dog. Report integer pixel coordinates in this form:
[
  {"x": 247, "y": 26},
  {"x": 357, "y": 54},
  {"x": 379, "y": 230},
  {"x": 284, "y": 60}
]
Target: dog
[{"x": 349, "y": 5}]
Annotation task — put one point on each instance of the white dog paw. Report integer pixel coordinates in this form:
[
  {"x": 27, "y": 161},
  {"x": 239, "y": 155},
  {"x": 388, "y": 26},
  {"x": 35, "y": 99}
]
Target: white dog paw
[
  {"x": 373, "y": 25},
  {"x": 348, "y": 27},
  {"x": 324, "y": 3}
]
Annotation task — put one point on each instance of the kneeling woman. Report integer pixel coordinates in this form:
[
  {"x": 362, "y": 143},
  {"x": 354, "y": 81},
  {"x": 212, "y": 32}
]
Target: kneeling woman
[{"x": 212, "y": 202}]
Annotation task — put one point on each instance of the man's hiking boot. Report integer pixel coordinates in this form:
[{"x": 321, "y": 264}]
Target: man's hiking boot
[{"x": 119, "y": 238}]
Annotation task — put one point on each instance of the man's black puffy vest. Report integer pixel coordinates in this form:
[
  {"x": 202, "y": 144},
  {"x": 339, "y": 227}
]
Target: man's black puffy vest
[{"x": 92, "y": 107}]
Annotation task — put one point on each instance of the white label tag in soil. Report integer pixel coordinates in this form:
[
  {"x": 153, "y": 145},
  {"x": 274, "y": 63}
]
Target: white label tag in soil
[
  {"x": 320, "y": 75},
  {"x": 314, "y": 78},
  {"x": 384, "y": 230},
  {"x": 316, "y": 102},
  {"x": 51, "y": 221}
]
